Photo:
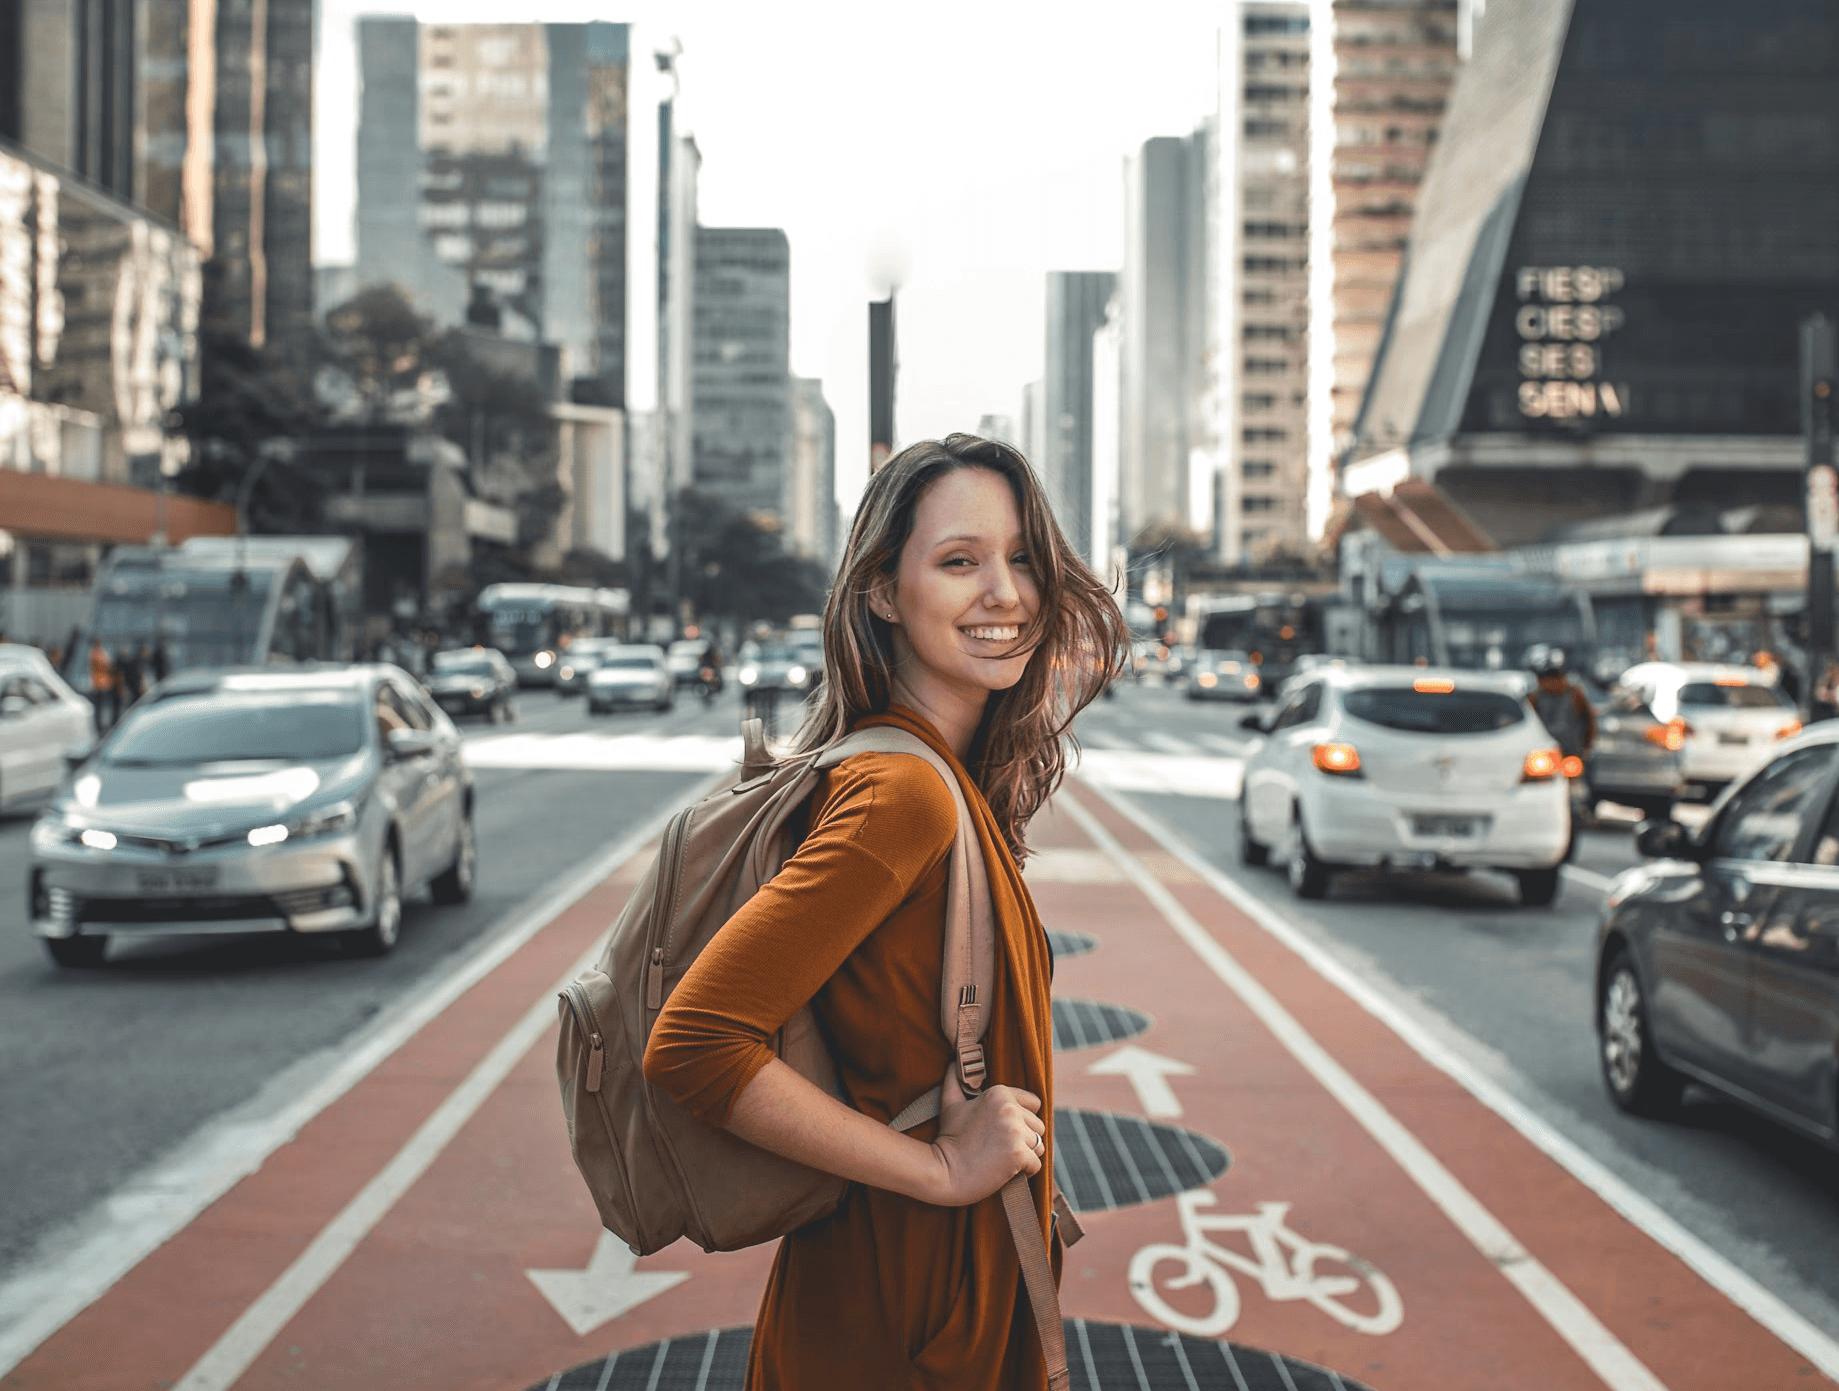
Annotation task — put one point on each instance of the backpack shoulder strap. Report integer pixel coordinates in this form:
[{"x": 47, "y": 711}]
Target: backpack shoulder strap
[{"x": 970, "y": 927}]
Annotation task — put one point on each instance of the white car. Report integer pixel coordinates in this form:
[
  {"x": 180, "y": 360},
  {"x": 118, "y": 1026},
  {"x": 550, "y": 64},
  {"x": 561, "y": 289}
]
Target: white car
[
  {"x": 633, "y": 675},
  {"x": 1409, "y": 768},
  {"x": 42, "y": 724},
  {"x": 1729, "y": 718}
]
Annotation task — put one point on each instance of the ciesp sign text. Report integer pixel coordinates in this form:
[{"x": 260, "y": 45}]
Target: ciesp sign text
[{"x": 1563, "y": 319}]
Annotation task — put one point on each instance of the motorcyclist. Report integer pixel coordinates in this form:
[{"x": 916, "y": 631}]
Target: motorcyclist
[
  {"x": 709, "y": 671},
  {"x": 1565, "y": 710}
]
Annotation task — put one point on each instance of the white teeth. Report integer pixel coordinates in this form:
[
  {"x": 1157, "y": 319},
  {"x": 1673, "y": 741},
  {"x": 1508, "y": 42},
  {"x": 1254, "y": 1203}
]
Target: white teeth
[{"x": 995, "y": 634}]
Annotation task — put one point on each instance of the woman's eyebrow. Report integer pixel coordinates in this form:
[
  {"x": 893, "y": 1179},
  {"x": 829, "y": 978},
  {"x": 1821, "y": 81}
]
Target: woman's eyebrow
[{"x": 974, "y": 540}]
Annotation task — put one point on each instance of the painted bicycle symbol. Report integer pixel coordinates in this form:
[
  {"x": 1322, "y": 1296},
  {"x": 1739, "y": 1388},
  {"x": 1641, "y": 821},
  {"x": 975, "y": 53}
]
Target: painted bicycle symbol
[{"x": 1352, "y": 1291}]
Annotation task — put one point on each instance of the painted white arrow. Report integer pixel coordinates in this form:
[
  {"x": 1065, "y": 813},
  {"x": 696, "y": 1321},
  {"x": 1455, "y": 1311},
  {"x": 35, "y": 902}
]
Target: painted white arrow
[
  {"x": 606, "y": 1289},
  {"x": 1148, "y": 1073}
]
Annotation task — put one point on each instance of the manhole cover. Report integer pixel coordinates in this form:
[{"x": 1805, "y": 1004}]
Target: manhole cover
[
  {"x": 1101, "y": 1357},
  {"x": 1087, "y": 1023},
  {"x": 1065, "y": 944},
  {"x": 1103, "y": 1160}
]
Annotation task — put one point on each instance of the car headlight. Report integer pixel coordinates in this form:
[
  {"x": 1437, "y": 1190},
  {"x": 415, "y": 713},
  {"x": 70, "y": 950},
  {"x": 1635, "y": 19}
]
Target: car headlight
[
  {"x": 567, "y": 673},
  {"x": 53, "y": 832},
  {"x": 544, "y": 660},
  {"x": 340, "y": 816},
  {"x": 795, "y": 676},
  {"x": 749, "y": 675}
]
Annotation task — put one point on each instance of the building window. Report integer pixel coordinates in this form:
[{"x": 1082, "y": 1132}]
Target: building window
[
  {"x": 1262, "y": 434},
  {"x": 1267, "y": 333},
  {"x": 1276, "y": 24},
  {"x": 1266, "y": 130},
  {"x": 1276, "y": 229},
  {"x": 1259, "y": 502},
  {"x": 1266, "y": 366},
  {"x": 1272, "y": 265},
  {"x": 1258, "y": 468},
  {"x": 1258, "y": 401}
]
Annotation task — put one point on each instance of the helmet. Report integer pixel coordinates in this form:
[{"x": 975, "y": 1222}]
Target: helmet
[{"x": 1542, "y": 659}]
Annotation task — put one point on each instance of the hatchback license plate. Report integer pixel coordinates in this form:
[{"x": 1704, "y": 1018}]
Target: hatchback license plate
[
  {"x": 1733, "y": 738},
  {"x": 176, "y": 881},
  {"x": 1463, "y": 827}
]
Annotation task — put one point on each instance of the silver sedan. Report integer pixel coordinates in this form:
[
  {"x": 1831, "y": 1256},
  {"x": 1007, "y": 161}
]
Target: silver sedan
[{"x": 257, "y": 801}]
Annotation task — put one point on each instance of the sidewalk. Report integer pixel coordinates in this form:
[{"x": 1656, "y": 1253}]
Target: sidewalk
[{"x": 428, "y": 1229}]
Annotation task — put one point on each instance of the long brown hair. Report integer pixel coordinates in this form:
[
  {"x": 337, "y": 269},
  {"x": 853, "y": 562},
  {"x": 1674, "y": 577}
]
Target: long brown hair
[{"x": 1077, "y": 635}]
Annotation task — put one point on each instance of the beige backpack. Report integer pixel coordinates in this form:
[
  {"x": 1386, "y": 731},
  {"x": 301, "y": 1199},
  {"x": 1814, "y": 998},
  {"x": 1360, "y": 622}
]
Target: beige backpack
[{"x": 658, "y": 1173}]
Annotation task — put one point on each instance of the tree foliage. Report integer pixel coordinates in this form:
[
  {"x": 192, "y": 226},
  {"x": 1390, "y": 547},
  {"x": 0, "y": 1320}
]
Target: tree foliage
[{"x": 733, "y": 567}]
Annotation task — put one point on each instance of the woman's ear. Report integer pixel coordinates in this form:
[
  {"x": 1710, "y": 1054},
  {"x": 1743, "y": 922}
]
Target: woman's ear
[{"x": 881, "y": 601}]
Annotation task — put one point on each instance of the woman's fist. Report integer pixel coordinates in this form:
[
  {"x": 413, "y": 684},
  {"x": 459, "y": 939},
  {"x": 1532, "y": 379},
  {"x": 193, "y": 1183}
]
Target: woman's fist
[{"x": 986, "y": 1141}]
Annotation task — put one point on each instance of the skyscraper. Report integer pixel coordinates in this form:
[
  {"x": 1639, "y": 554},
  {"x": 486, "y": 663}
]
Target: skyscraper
[
  {"x": 810, "y": 527},
  {"x": 1264, "y": 239},
  {"x": 742, "y": 385},
  {"x": 1394, "y": 61},
  {"x": 1076, "y": 302},
  {"x": 1163, "y": 348},
  {"x": 492, "y": 160}
]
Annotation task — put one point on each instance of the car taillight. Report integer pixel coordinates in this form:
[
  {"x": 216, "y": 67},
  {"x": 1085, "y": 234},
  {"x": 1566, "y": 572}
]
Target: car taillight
[
  {"x": 1670, "y": 736},
  {"x": 1789, "y": 730},
  {"x": 1571, "y": 766},
  {"x": 1343, "y": 760},
  {"x": 1541, "y": 764}
]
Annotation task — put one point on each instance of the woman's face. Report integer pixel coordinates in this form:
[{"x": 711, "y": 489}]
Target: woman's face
[{"x": 964, "y": 588}]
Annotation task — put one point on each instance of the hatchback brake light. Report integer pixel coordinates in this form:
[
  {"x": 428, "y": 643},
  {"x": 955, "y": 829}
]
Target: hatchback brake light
[
  {"x": 1789, "y": 730},
  {"x": 1541, "y": 764},
  {"x": 1343, "y": 760},
  {"x": 1670, "y": 736},
  {"x": 1571, "y": 766}
]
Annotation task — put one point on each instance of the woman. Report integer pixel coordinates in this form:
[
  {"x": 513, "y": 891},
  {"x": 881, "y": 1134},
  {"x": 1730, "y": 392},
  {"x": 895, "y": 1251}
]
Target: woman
[{"x": 961, "y": 614}]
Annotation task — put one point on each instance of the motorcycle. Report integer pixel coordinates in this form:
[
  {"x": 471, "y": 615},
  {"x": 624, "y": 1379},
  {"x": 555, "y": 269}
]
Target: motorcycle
[{"x": 709, "y": 683}]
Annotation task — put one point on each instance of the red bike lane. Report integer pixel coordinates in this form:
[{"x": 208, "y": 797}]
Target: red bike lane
[{"x": 392, "y": 1243}]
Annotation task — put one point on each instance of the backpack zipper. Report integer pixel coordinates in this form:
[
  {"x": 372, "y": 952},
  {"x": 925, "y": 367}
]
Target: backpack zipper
[
  {"x": 675, "y": 838},
  {"x": 583, "y": 1010}
]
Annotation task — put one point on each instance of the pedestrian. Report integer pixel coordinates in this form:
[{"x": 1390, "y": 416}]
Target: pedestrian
[
  {"x": 961, "y": 614},
  {"x": 128, "y": 675},
  {"x": 159, "y": 663},
  {"x": 102, "y": 692},
  {"x": 1825, "y": 702}
]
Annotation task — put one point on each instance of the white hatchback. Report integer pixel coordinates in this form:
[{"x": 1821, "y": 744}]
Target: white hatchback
[
  {"x": 1729, "y": 718},
  {"x": 1405, "y": 767},
  {"x": 43, "y": 724}
]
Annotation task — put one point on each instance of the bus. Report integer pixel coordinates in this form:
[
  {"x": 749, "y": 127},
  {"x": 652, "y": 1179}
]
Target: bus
[
  {"x": 1482, "y": 619},
  {"x": 532, "y": 623},
  {"x": 1274, "y": 630},
  {"x": 224, "y": 601}
]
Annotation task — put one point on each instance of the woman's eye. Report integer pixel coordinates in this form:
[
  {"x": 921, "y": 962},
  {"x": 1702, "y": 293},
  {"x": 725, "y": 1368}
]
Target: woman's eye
[{"x": 1021, "y": 559}]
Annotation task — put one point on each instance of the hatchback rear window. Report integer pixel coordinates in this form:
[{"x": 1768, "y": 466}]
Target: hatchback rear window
[
  {"x": 1732, "y": 697},
  {"x": 1434, "y": 712}
]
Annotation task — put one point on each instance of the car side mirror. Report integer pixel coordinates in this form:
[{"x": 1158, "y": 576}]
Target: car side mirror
[
  {"x": 1664, "y": 840},
  {"x": 1255, "y": 723},
  {"x": 404, "y": 744},
  {"x": 77, "y": 755}
]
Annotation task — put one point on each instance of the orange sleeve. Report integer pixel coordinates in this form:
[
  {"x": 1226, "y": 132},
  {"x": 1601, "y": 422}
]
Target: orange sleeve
[{"x": 880, "y": 825}]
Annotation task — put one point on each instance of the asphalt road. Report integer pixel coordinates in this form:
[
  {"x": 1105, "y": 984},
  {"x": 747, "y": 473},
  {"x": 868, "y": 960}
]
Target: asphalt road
[
  {"x": 103, "y": 1073},
  {"x": 1512, "y": 988}
]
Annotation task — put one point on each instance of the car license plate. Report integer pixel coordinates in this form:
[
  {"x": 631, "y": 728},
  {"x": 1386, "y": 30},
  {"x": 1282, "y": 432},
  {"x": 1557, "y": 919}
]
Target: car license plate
[
  {"x": 1733, "y": 738},
  {"x": 1463, "y": 827},
  {"x": 177, "y": 881}
]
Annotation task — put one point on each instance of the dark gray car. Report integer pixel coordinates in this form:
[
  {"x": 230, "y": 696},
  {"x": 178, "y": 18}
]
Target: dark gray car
[
  {"x": 303, "y": 801},
  {"x": 474, "y": 681},
  {"x": 1718, "y": 960}
]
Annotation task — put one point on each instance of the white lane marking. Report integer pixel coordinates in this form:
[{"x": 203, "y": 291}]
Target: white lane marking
[
  {"x": 1614, "y": 1365},
  {"x": 1190, "y": 776},
  {"x": 605, "y": 1289},
  {"x": 1098, "y": 739},
  {"x": 1589, "y": 877},
  {"x": 1148, "y": 1074},
  {"x": 233, "y": 1354},
  {"x": 1219, "y": 743},
  {"x": 593, "y": 752},
  {"x": 152, "y": 1207},
  {"x": 1734, "y": 1283},
  {"x": 1170, "y": 743}
]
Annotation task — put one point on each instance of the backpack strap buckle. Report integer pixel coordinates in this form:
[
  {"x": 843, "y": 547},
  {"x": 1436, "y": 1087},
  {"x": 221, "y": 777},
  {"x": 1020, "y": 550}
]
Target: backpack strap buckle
[{"x": 970, "y": 1067}]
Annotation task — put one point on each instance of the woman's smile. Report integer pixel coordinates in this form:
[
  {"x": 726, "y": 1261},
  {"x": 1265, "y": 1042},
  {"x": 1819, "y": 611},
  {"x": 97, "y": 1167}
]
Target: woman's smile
[{"x": 993, "y": 632}]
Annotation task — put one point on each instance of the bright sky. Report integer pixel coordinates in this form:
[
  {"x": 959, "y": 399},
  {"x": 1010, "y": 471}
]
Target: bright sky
[{"x": 979, "y": 143}]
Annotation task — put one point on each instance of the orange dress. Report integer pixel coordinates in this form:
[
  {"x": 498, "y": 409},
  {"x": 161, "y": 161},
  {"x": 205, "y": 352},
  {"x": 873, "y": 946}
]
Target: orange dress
[{"x": 888, "y": 1292}]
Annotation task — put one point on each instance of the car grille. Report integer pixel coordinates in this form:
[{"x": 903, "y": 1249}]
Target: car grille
[{"x": 294, "y": 903}]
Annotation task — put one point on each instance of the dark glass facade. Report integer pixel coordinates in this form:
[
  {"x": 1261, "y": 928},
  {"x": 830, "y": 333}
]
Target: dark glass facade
[{"x": 1679, "y": 218}]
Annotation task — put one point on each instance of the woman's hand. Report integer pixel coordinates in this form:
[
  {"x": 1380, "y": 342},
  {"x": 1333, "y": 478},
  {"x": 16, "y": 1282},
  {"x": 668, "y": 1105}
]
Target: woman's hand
[{"x": 986, "y": 1141}]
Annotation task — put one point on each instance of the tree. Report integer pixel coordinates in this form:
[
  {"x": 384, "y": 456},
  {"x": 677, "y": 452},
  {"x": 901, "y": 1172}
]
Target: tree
[{"x": 734, "y": 567}]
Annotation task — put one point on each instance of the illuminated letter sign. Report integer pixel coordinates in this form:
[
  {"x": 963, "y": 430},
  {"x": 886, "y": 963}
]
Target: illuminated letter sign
[{"x": 1562, "y": 321}]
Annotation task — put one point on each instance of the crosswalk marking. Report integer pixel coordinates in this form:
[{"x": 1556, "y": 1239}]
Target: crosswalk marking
[
  {"x": 1099, "y": 739},
  {"x": 1219, "y": 743},
  {"x": 1169, "y": 743}
]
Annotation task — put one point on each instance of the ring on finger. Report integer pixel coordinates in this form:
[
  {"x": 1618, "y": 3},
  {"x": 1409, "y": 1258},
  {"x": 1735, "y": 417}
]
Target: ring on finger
[{"x": 1040, "y": 1144}]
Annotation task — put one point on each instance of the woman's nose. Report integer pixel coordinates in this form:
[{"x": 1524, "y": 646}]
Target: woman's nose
[{"x": 1003, "y": 592}]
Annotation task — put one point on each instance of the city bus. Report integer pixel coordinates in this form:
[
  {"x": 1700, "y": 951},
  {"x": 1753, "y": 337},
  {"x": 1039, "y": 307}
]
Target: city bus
[
  {"x": 1274, "y": 630},
  {"x": 533, "y": 623},
  {"x": 223, "y": 601},
  {"x": 1482, "y": 619}
]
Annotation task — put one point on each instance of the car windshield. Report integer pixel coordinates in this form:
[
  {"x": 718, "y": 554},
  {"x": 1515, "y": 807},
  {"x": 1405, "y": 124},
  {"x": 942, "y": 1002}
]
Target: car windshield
[
  {"x": 781, "y": 654},
  {"x": 209, "y": 727},
  {"x": 629, "y": 664},
  {"x": 1434, "y": 712},
  {"x": 1736, "y": 696},
  {"x": 463, "y": 663}
]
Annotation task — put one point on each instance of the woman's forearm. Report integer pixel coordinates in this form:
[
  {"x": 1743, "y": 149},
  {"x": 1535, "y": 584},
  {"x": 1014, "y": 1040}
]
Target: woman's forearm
[{"x": 784, "y": 1112}]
